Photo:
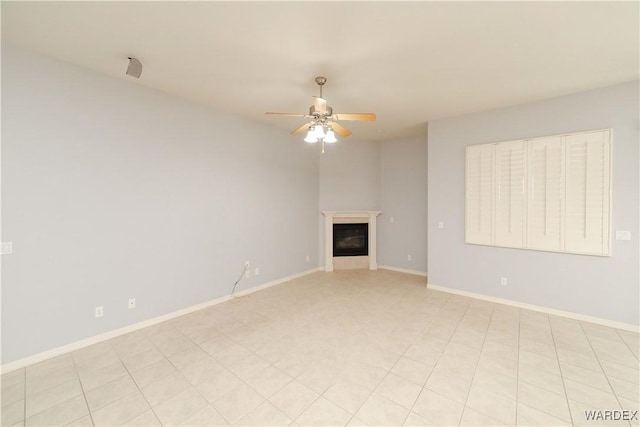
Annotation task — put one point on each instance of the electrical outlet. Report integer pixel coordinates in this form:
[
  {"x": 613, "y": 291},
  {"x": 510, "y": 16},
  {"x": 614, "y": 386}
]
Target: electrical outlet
[
  {"x": 308, "y": 258},
  {"x": 441, "y": 224},
  {"x": 392, "y": 220},
  {"x": 132, "y": 303},
  {"x": 99, "y": 311},
  {"x": 256, "y": 272},
  {"x": 409, "y": 258},
  {"x": 247, "y": 271},
  {"x": 503, "y": 281}
]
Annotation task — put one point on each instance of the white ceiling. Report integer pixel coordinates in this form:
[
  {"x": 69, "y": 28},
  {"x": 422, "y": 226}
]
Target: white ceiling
[{"x": 408, "y": 62}]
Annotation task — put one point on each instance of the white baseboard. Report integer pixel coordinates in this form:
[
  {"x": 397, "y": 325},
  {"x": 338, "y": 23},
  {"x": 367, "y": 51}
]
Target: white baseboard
[
  {"x": 403, "y": 270},
  {"x": 21, "y": 363},
  {"x": 276, "y": 282},
  {"x": 568, "y": 314}
]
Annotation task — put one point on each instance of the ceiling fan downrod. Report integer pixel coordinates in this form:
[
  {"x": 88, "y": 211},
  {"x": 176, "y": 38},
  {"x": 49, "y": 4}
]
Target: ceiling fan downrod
[{"x": 320, "y": 81}]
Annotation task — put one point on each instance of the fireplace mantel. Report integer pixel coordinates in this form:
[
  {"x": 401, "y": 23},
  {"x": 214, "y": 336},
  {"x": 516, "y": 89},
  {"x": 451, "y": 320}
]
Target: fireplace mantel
[{"x": 334, "y": 217}]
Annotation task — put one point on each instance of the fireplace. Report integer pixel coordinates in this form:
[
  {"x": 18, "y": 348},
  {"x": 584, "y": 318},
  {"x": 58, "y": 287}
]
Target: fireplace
[
  {"x": 351, "y": 239},
  {"x": 355, "y": 243}
]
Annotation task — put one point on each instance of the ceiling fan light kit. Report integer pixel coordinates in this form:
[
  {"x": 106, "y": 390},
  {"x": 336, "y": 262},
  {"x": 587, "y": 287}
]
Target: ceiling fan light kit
[
  {"x": 324, "y": 123},
  {"x": 311, "y": 137},
  {"x": 330, "y": 137},
  {"x": 320, "y": 133}
]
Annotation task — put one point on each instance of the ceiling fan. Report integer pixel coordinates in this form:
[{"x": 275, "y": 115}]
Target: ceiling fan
[{"x": 324, "y": 121}]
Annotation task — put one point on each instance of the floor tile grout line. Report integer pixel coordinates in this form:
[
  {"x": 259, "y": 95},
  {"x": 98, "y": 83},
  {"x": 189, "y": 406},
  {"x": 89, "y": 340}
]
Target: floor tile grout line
[
  {"x": 425, "y": 381},
  {"x": 356, "y": 411},
  {"x": 626, "y": 344},
  {"x": 119, "y": 398},
  {"x": 229, "y": 371},
  {"x": 138, "y": 387},
  {"x": 84, "y": 395},
  {"x": 191, "y": 384},
  {"x": 374, "y": 388},
  {"x": 308, "y": 406},
  {"x": 441, "y": 354},
  {"x": 557, "y": 360},
  {"x": 77, "y": 377},
  {"x": 167, "y": 357},
  {"x": 268, "y": 399},
  {"x": 600, "y": 364},
  {"x": 476, "y": 367},
  {"x": 564, "y": 387},
  {"x": 466, "y": 400},
  {"x": 49, "y": 387},
  {"x": 576, "y": 365}
]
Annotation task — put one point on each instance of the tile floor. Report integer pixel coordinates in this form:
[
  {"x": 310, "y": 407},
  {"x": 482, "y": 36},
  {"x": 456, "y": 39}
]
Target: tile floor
[{"x": 343, "y": 348}]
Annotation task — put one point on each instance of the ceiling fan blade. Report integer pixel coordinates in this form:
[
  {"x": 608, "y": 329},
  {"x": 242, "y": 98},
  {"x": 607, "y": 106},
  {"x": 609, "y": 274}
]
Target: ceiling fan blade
[
  {"x": 286, "y": 114},
  {"x": 302, "y": 128},
  {"x": 342, "y": 131},
  {"x": 356, "y": 116},
  {"x": 320, "y": 104}
]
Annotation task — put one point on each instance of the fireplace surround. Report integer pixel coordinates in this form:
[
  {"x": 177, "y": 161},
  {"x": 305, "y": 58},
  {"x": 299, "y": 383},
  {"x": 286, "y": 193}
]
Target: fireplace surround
[{"x": 351, "y": 261}]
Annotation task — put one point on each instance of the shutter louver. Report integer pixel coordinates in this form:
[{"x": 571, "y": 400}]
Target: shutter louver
[
  {"x": 511, "y": 200},
  {"x": 479, "y": 194},
  {"x": 587, "y": 188},
  {"x": 546, "y": 189}
]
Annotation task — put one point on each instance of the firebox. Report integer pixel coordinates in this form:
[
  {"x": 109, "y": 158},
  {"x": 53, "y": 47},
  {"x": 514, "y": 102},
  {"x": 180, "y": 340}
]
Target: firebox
[{"x": 350, "y": 239}]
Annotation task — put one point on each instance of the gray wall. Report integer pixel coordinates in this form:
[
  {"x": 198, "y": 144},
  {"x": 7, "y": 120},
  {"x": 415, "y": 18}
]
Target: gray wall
[
  {"x": 113, "y": 191},
  {"x": 350, "y": 176},
  {"x": 349, "y": 180},
  {"x": 403, "y": 196},
  {"x": 605, "y": 287}
]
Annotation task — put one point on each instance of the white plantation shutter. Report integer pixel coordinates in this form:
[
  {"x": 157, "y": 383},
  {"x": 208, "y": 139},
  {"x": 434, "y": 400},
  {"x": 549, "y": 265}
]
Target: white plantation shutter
[
  {"x": 550, "y": 193},
  {"x": 587, "y": 193},
  {"x": 546, "y": 191},
  {"x": 479, "y": 194},
  {"x": 510, "y": 201}
]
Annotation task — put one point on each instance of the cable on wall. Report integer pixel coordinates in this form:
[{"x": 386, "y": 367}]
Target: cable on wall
[{"x": 233, "y": 290}]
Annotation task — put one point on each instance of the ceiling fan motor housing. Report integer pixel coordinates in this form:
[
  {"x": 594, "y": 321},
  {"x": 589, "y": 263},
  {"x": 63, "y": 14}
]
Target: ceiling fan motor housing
[{"x": 315, "y": 113}]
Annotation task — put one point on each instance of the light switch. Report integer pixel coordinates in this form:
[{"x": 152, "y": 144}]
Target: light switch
[
  {"x": 391, "y": 220},
  {"x": 623, "y": 235},
  {"x": 441, "y": 224},
  {"x": 6, "y": 248}
]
